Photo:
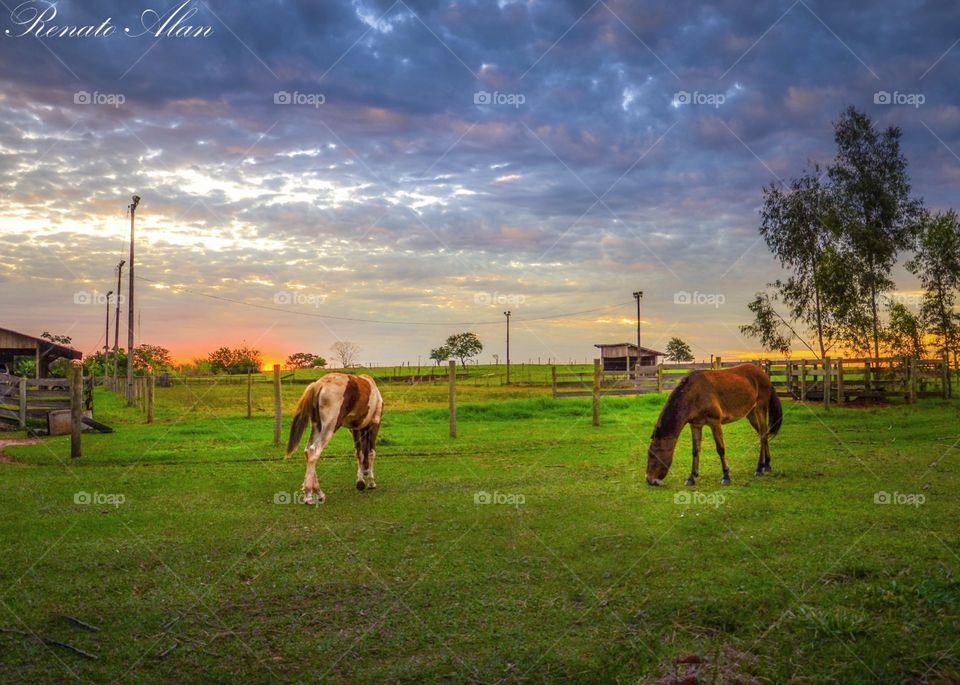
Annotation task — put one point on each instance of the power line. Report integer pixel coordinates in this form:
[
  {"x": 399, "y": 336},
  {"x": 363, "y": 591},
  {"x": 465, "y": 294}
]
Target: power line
[{"x": 495, "y": 322}]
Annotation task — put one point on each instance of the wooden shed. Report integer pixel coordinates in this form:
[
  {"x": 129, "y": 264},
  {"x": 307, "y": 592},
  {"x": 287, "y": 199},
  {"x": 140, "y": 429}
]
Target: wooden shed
[
  {"x": 43, "y": 352},
  {"x": 623, "y": 356}
]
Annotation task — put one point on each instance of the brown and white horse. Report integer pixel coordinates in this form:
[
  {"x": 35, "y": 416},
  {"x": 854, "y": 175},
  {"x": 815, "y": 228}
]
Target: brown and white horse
[
  {"x": 337, "y": 399},
  {"x": 713, "y": 398}
]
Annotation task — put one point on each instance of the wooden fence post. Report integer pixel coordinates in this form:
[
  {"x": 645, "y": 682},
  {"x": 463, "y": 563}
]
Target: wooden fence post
[
  {"x": 76, "y": 409},
  {"x": 453, "y": 398},
  {"x": 803, "y": 380},
  {"x": 840, "y": 389},
  {"x": 660, "y": 377},
  {"x": 277, "y": 420},
  {"x": 23, "y": 403},
  {"x": 826, "y": 382},
  {"x": 151, "y": 386},
  {"x": 596, "y": 392},
  {"x": 553, "y": 374},
  {"x": 249, "y": 394},
  {"x": 717, "y": 363},
  {"x": 946, "y": 375}
]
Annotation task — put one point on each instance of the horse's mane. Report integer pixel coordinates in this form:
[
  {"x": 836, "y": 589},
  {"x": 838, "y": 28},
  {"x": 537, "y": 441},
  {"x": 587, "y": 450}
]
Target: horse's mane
[{"x": 671, "y": 417}]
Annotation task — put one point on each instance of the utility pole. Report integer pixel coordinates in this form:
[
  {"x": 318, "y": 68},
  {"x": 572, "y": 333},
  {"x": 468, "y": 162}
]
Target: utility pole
[
  {"x": 637, "y": 296},
  {"x": 507, "y": 314},
  {"x": 133, "y": 214},
  {"x": 106, "y": 344},
  {"x": 116, "y": 328}
]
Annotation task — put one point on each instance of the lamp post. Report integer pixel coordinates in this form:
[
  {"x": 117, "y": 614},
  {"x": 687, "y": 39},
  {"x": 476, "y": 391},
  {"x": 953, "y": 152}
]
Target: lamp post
[
  {"x": 133, "y": 214},
  {"x": 638, "y": 295},
  {"x": 116, "y": 328},
  {"x": 106, "y": 343},
  {"x": 507, "y": 314}
]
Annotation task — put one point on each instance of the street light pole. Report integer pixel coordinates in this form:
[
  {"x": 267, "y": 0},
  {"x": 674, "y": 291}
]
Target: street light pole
[
  {"x": 507, "y": 314},
  {"x": 116, "y": 328},
  {"x": 106, "y": 344},
  {"x": 133, "y": 214},
  {"x": 638, "y": 295}
]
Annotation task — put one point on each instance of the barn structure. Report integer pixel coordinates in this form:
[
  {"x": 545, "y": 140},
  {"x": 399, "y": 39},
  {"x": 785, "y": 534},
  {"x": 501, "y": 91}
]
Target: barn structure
[
  {"x": 14, "y": 345},
  {"x": 623, "y": 356}
]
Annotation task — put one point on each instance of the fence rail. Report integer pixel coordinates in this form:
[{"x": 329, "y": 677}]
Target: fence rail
[{"x": 31, "y": 399}]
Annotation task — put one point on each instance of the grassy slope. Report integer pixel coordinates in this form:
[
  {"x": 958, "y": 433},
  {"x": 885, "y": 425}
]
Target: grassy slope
[{"x": 595, "y": 576}]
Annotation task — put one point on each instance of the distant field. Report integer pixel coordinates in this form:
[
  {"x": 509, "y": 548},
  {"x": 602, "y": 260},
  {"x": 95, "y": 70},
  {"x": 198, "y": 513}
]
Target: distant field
[{"x": 195, "y": 568}]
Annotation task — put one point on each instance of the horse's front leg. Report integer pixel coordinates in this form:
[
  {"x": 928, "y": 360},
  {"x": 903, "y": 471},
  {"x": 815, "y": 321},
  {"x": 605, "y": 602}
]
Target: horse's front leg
[
  {"x": 717, "y": 431},
  {"x": 697, "y": 433},
  {"x": 359, "y": 447}
]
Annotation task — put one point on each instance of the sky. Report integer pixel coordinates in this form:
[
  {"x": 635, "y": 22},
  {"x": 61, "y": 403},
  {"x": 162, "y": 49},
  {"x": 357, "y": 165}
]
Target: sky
[{"x": 389, "y": 173}]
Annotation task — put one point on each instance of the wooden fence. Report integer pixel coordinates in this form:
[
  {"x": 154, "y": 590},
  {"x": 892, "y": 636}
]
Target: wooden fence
[
  {"x": 30, "y": 399},
  {"x": 828, "y": 380}
]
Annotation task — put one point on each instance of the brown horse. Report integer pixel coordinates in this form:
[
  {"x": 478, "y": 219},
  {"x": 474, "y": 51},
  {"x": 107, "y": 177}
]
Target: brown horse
[
  {"x": 713, "y": 398},
  {"x": 335, "y": 400}
]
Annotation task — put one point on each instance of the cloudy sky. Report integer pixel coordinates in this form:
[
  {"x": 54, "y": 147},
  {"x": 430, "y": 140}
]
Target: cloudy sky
[{"x": 390, "y": 173}]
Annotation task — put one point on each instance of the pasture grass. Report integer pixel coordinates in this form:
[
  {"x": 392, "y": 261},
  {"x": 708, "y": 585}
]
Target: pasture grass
[{"x": 578, "y": 572}]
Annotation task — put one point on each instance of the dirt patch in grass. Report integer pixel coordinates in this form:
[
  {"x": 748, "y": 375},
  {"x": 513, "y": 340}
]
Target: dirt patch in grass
[{"x": 6, "y": 458}]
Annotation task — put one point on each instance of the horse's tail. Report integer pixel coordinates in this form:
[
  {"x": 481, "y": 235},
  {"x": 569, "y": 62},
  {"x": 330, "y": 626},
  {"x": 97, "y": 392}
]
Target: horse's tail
[
  {"x": 774, "y": 413},
  {"x": 301, "y": 417}
]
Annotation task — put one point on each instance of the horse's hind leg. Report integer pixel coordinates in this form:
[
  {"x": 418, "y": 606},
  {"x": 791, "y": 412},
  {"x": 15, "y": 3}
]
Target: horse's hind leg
[
  {"x": 697, "y": 433},
  {"x": 311, "y": 486},
  {"x": 360, "y": 447},
  {"x": 759, "y": 423},
  {"x": 371, "y": 453},
  {"x": 721, "y": 450}
]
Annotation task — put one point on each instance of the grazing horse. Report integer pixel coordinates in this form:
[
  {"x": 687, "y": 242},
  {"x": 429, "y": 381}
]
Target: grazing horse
[
  {"x": 713, "y": 398},
  {"x": 335, "y": 400}
]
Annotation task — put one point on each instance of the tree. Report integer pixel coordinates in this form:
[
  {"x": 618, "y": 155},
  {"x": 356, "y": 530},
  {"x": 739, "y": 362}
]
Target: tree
[
  {"x": 305, "y": 360},
  {"x": 232, "y": 361},
  {"x": 904, "y": 333},
  {"x": 58, "y": 339},
  {"x": 151, "y": 358},
  {"x": 464, "y": 346},
  {"x": 936, "y": 263},
  {"x": 346, "y": 352},
  {"x": 679, "y": 351},
  {"x": 440, "y": 354},
  {"x": 767, "y": 325},
  {"x": 796, "y": 225},
  {"x": 877, "y": 218}
]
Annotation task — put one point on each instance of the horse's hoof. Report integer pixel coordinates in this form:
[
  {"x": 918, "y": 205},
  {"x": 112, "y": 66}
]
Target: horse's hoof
[
  {"x": 372, "y": 486},
  {"x": 361, "y": 485},
  {"x": 758, "y": 472},
  {"x": 690, "y": 481},
  {"x": 725, "y": 481},
  {"x": 653, "y": 481},
  {"x": 766, "y": 468}
]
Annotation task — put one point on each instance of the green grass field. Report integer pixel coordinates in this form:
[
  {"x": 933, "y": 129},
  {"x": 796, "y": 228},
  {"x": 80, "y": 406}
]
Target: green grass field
[{"x": 194, "y": 566}]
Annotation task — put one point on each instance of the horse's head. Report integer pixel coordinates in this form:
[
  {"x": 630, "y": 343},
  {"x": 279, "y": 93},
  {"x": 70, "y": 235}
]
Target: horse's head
[{"x": 659, "y": 459}]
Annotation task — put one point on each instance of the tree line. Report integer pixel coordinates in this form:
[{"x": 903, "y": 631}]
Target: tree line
[{"x": 838, "y": 231}]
